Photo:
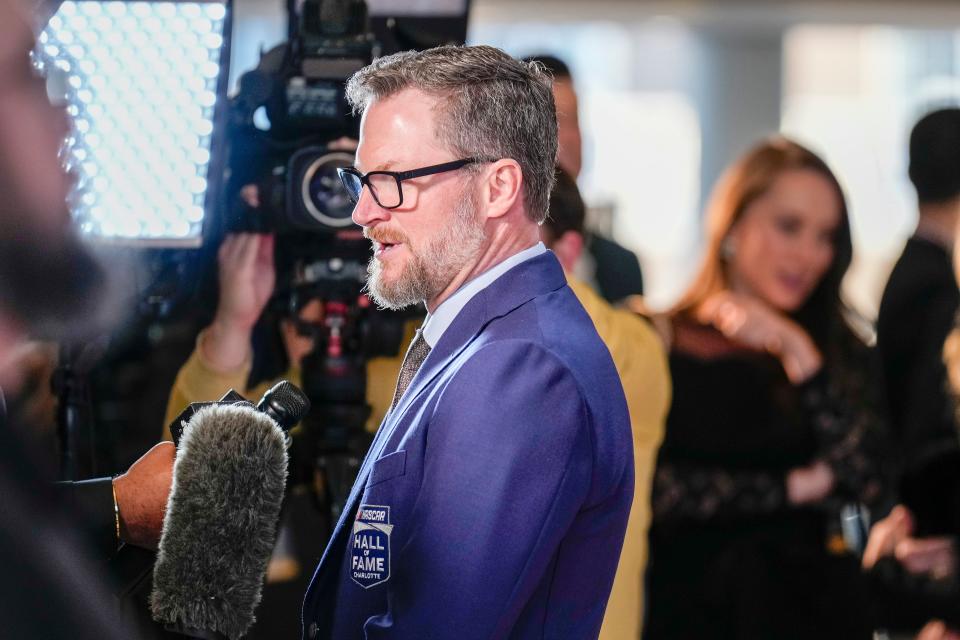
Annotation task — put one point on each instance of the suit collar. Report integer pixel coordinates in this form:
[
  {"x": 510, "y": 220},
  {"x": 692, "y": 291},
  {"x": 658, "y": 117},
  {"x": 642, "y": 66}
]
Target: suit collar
[
  {"x": 443, "y": 316},
  {"x": 529, "y": 279}
]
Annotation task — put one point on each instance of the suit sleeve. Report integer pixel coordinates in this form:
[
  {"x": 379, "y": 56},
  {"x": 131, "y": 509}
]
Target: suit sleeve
[
  {"x": 92, "y": 501},
  {"x": 508, "y": 465}
]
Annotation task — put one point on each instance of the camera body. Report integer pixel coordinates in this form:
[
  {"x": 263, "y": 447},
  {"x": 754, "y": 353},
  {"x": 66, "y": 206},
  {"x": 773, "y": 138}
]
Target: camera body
[{"x": 299, "y": 87}]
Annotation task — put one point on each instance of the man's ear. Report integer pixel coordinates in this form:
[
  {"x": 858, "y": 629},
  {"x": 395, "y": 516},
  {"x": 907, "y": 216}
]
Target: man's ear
[
  {"x": 569, "y": 248},
  {"x": 503, "y": 187}
]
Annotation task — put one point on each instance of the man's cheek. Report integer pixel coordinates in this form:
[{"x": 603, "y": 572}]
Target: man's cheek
[{"x": 24, "y": 137}]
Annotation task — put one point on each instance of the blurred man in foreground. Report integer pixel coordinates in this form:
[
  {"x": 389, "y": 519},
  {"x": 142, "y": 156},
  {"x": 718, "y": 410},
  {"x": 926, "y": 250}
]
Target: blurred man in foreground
[{"x": 52, "y": 583}]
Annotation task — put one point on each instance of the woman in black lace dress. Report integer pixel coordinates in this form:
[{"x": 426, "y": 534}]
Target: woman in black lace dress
[{"x": 772, "y": 427}]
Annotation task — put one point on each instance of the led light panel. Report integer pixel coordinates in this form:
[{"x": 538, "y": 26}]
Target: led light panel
[{"x": 142, "y": 81}]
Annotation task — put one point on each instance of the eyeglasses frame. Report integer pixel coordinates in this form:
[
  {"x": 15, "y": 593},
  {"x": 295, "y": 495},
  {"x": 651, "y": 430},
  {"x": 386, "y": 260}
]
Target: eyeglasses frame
[{"x": 401, "y": 176}]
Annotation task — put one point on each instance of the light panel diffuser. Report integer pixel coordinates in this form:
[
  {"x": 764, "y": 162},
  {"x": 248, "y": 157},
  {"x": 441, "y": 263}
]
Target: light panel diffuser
[{"x": 142, "y": 81}]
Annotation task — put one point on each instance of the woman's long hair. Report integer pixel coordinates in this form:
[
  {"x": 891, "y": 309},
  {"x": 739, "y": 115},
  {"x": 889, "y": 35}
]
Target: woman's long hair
[{"x": 822, "y": 315}]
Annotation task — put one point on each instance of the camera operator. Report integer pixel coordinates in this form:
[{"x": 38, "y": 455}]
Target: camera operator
[
  {"x": 223, "y": 357},
  {"x": 51, "y": 286}
]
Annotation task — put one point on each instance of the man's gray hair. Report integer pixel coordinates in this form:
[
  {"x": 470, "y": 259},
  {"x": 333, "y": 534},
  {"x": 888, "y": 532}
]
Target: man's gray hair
[{"x": 495, "y": 106}]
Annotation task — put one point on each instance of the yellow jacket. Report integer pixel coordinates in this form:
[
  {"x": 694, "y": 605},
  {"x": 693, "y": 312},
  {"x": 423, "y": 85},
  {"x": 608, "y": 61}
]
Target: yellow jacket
[
  {"x": 644, "y": 371},
  {"x": 198, "y": 382},
  {"x": 642, "y": 365}
]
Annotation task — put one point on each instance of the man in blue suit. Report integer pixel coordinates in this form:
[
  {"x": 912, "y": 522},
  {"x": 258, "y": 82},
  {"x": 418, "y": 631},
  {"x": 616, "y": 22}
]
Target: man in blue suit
[{"x": 494, "y": 499}]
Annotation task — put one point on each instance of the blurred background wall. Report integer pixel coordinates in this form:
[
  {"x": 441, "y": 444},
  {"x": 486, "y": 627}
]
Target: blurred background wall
[{"x": 671, "y": 91}]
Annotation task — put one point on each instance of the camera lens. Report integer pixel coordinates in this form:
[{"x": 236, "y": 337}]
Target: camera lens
[{"x": 322, "y": 196}]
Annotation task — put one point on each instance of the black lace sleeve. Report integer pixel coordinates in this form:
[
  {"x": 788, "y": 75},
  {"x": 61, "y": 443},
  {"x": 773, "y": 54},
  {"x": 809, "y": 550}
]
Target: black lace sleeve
[
  {"x": 843, "y": 407},
  {"x": 703, "y": 493}
]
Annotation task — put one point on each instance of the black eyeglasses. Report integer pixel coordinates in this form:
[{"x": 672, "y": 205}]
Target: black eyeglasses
[{"x": 385, "y": 186}]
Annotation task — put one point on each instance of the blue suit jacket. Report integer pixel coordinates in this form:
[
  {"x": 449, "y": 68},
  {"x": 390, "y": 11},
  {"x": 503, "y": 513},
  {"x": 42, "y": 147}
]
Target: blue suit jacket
[{"x": 494, "y": 499}]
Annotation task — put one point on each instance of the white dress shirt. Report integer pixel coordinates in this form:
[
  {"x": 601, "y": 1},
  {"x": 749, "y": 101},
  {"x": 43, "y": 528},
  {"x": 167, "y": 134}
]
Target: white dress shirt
[{"x": 438, "y": 321}]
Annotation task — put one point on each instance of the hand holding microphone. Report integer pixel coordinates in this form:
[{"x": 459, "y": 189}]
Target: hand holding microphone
[{"x": 142, "y": 493}]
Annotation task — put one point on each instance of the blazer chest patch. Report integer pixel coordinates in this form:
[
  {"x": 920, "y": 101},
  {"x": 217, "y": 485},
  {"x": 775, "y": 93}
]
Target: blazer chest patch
[{"x": 370, "y": 549}]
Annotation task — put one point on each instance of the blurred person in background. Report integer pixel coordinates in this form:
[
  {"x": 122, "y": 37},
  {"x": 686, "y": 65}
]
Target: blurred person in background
[
  {"x": 641, "y": 362},
  {"x": 53, "y": 583},
  {"x": 916, "y": 313},
  {"x": 914, "y": 578},
  {"x": 773, "y": 424},
  {"x": 610, "y": 269},
  {"x": 912, "y": 553}
]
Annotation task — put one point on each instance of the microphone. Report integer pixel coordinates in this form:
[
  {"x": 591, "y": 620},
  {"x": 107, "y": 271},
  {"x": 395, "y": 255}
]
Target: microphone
[
  {"x": 221, "y": 519},
  {"x": 284, "y": 402}
]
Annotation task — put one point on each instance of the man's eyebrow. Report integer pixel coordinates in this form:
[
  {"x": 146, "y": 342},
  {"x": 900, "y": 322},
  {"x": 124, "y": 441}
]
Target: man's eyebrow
[{"x": 383, "y": 166}]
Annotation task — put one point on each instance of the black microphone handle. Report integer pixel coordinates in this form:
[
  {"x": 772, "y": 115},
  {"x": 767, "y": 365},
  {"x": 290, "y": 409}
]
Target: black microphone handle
[
  {"x": 178, "y": 423},
  {"x": 284, "y": 402}
]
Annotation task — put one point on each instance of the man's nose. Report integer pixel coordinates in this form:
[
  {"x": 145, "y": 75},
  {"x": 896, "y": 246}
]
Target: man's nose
[{"x": 367, "y": 211}]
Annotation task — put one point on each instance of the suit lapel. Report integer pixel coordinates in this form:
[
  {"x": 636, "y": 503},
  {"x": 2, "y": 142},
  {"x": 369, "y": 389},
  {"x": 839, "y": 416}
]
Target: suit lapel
[
  {"x": 517, "y": 286},
  {"x": 453, "y": 341}
]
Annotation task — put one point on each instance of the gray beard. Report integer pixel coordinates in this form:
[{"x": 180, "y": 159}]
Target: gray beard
[{"x": 430, "y": 270}]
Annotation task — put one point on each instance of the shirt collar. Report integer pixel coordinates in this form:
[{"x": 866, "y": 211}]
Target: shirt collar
[{"x": 437, "y": 322}]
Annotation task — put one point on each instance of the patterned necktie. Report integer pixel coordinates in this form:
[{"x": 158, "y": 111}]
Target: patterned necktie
[{"x": 416, "y": 354}]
